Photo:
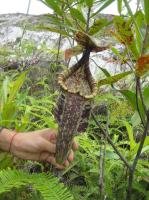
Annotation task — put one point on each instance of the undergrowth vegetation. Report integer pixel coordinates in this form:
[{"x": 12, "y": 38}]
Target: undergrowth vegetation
[{"x": 115, "y": 145}]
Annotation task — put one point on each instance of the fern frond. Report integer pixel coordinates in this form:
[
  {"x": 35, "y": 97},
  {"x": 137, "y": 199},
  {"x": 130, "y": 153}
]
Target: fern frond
[{"x": 46, "y": 184}]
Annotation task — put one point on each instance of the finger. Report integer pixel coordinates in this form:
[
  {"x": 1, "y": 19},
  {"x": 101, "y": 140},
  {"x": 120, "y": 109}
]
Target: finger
[
  {"x": 48, "y": 146},
  {"x": 49, "y": 134},
  {"x": 43, "y": 156},
  {"x": 52, "y": 160},
  {"x": 53, "y": 140},
  {"x": 75, "y": 146},
  {"x": 28, "y": 156},
  {"x": 66, "y": 163},
  {"x": 71, "y": 156}
]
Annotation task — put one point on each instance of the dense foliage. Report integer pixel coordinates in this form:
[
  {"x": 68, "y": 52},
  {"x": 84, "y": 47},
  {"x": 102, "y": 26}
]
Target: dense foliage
[{"x": 112, "y": 160}]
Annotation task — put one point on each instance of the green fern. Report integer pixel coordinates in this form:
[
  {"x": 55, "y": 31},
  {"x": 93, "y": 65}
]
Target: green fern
[{"x": 46, "y": 184}]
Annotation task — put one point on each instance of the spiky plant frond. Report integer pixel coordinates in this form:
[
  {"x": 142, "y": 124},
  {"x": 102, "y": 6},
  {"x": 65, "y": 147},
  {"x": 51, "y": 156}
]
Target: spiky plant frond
[{"x": 46, "y": 184}]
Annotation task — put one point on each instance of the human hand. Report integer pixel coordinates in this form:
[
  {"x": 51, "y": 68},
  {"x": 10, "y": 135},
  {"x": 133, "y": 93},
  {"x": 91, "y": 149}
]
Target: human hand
[{"x": 39, "y": 146}]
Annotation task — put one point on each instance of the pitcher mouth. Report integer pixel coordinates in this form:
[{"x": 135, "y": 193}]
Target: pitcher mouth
[{"x": 80, "y": 81}]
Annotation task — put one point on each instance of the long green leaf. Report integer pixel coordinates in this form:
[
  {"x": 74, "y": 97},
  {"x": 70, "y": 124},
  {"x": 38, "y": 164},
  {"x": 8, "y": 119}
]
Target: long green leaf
[
  {"x": 16, "y": 86},
  {"x": 98, "y": 25},
  {"x": 131, "y": 97},
  {"x": 121, "y": 56},
  {"x": 139, "y": 16},
  {"x": 146, "y": 10},
  {"x": 146, "y": 96},
  {"x": 54, "y": 6},
  {"x": 105, "y": 5},
  {"x": 145, "y": 146},
  {"x": 5, "y": 90},
  {"x": 106, "y": 73},
  {"x": 76, "y": 14},
  {"x": 119, "y": 6},
  {"x": 113, "y": 79},
  {"x": 8, "y": 113},
  {"x": 130, "y": 135},
  {"x": 52, "y": 29}
]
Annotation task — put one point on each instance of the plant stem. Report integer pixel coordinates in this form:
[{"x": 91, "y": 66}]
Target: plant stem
[
  {"x": 111, "y": 142},
  {"x": 58, "y": 49},
  {"x": 141, "y": 95},
  {"x": 145, "y": 39},
  {"x": 24, "y": 28},
  {"x": 88, "y": 20},
  {"x": 60, "y": 38},
  {"x": 137, "y": 103},
  {"x": 102, "y": 161},
  {"x": 146, "y": 126},
  {"x": 132, "y": 170},
  {"x": 101, "y": 172}
]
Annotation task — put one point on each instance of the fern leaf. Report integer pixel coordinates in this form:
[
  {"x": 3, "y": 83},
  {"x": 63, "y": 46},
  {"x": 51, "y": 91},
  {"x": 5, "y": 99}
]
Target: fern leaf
[{"x": 46, "y": 184}]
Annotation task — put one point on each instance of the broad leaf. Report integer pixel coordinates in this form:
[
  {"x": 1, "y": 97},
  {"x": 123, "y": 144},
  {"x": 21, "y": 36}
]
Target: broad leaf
[
  {"x": 106, "y": 73},
  {"x": 146, "y": 10},
  {"x": 8, "y": 114},
  {"x": 121, "y": 55},
  {"x": 52, "y": 29},
  {"x": 146, "y": 96},
  {"x": 139, "y": 21},
  {"x": 105, "y": 5},
  {"x": 16, "y": 85},
  {"x": 76, "y": 14},
  {"x": 5, "y": 90},
  {"x": 56, "y": 20},
  {"x": 130, "y": 134},
  {"x": 119, "y": 6},
  {"x": 135, "y": 119},
  {"x": 145, "y": 146},
  {"x": 54, "y": 6},
  {"x": 131, "y": 97},
  {"x": 113, "y": 79}
]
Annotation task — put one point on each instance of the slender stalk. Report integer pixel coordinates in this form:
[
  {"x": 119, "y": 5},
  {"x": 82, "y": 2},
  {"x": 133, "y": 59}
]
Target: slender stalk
[
  {"x": 138, "y": 4},
  {"x": 141, "y": 95},
  {"x": 88, "y": 19},
  {"x": 24, "y": 28},
  {"x": 145, "y": 39},
  {"x": 102, "y": 162},
  {"x": 58, "y": 49},
  {"x": 146, "y": 126},
  {"x": 132, "y": 170},
  {"x": 101, "y": 174},
  {"x": 137, "y": 103},
  {"x": 60, "y": 38},
  {"x": 111, "y": 142}
]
